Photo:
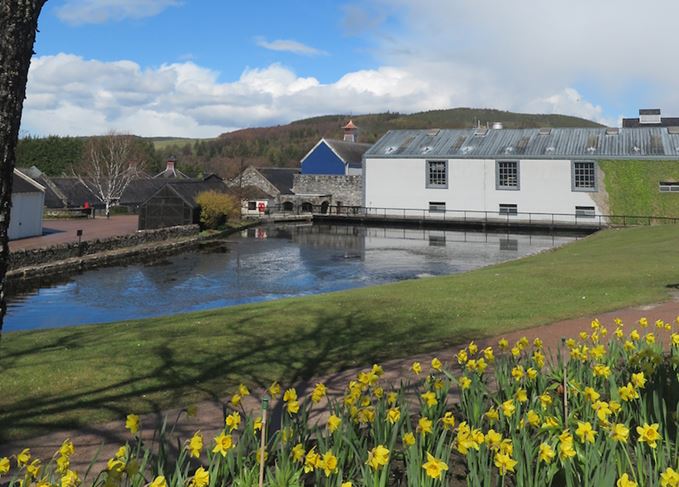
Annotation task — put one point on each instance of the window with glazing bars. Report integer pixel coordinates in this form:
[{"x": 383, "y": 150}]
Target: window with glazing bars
[
  {"x": 437, "y": 174},
  {"x": 507, "y": 175},
  {"x": 584, "y": 176},
  {"x": 508, "y": 209}
]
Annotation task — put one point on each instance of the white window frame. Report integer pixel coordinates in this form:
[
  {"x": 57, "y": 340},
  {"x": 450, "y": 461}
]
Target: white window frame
[
  {"x": 587, "y": 189},
  {"x": 498, "y": 172}
]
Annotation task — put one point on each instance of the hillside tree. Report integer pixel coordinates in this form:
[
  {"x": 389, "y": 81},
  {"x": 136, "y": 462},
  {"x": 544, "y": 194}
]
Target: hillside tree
[
  {"x": 109, "y": 164},
  {"x": 18, "y": 28}
]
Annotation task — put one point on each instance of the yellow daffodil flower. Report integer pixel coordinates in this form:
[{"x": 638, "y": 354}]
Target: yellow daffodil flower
[{"x": 434, "y": 467}]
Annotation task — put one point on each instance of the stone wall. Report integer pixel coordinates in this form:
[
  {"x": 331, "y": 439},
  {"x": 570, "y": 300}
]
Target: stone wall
[
  {"x": 37, "y": 257},
  {"x": 348, "y": 190},
  {"x": 252, "y": 177}
]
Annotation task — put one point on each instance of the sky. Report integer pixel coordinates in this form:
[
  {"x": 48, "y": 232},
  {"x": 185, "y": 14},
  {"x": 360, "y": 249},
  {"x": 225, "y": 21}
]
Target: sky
[{"x": 198, "y": 68}]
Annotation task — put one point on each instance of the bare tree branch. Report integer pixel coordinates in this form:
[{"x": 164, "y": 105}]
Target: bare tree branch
[{"x": 110, "y": 163}]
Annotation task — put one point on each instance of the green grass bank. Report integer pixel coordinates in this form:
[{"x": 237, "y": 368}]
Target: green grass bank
[
  {"x": 59, "y": 378},
  {"x": 633, "y": 189}
]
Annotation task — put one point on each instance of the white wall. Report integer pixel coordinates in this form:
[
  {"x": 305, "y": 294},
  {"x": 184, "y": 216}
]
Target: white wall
[
  {"x": 545, "y": 186},
  {"x": 26, "y": 216}
]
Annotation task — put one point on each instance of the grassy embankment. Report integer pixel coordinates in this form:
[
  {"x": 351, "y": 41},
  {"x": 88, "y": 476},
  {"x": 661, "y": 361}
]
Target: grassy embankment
[
  {"x": 632, "y": 187},
  {"x": 57, "y": 378}
]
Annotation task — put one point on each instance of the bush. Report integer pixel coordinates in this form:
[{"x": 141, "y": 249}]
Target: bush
[{"x": 217, "y": 208}]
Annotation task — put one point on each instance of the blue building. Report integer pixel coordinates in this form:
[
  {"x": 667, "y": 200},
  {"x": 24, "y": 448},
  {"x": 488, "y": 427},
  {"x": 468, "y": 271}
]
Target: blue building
[{"x": 336, "y": 157}]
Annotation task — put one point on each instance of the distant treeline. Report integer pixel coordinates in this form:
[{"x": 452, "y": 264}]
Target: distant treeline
[{"x": 57, "y": 156}]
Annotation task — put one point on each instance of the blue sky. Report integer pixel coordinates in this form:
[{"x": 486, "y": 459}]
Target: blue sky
[{"x": 201, "y": 67}]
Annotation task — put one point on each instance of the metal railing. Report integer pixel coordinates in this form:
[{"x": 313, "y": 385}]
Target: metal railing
[{"x": 473, "y": 216}]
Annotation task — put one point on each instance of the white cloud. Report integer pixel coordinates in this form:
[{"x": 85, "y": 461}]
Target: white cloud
[
  {"x": 288, "y": 45},
  {"x": 78, "y": 12}
]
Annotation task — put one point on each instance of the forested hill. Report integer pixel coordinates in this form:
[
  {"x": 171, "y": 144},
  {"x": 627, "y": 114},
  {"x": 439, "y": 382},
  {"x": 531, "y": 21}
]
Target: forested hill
[{"x": 283, "y": 145}]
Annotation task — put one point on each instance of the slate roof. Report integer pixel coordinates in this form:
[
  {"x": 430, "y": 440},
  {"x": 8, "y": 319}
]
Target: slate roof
[
  {"x": 249, "y": 193},
  {"x": 664, "y": 122},
  {"x": 140, "y": 190},
  {"x": 556, "y": 143},
  {"x": 281, "y": 177},
  {"x": 63, "y": 192},
  {"x": 349, "y": 152},
  {"x": 21, "y": 183}
]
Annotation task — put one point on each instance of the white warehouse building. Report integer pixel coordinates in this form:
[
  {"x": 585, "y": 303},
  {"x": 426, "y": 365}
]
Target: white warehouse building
[
  {"x": 532, "y": 173},
  {"x": 28, "y": 199}
]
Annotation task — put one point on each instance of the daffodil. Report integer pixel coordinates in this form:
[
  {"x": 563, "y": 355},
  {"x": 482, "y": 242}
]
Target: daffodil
[
  {"x": 223, "y": 443},
  {"x": 517, "y": 373},
  {"x": 628, "y": 393},
  {"x": 378, "y": 457},
  {"x": 233, "y": 421},
  {"x": 424, "y": 425},
  {"x": 416, "y": 368},
  {"x": 275, "y": 390},
  {"x": 601, "y": 370},
  {"x": 298, "y": 452},
  {"x": 448, "y": 420},
  {"x": 34, "y": 468},
  {"x": 318, "y": 393},
  {"x": 159, "y": 481},
  {"x": 639, "y": 380},
  {"x": 63, "y": 463},
  {"x": 503, "y": 343},
  {"x": 521, "y": 395},
  {"x": 545, "y": 400},
  {"x": 132, "y": 423},
  {"x": 328, "y": 463},
  {"x": 393, "y": 415},
  {"x": 436, "y": 364},
  {"x": 649, "y": 434},
  {"x": 70, "y": 479},
  {"x": 408, "y": 439},
  {"x": 434, "y": 467},
  {"x": 508, "y": 408},
  {"x": 290, "y": 395},
  {"x": 546, "y": 453},
  {"x": 293, "y": 407},
  {"x": 334, "y": 422},
  {"x": 195, "y": 445},
  {"x": 533, "y": 418},
  {"x": 619, "y": 432},
  {"x": 201, "y": 478},
  {"x": 465, "y": 382},
  {"x": 492, "y": 415},
  {"x": 669, "y": 478},
  {"x": 67, "y": 448},
  {"x": 504, "y": 463},
  {"x": 585, "y": 432},
  {"x": 566, "y": 449},
  {"x": 311, "y": 461},
  {"x": 625, "y": 481},
  {"x": 4, "y": 465},
  {"x": 429, "y": 398},
  {"x": 493, "y": 440}
]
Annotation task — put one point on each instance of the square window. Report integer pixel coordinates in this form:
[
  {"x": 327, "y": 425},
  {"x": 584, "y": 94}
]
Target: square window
[
  {"x": 507, "y": 209},
  {"x": 507, "y": 175},
  {"x": 437, "y": 174},
  {"x": 252, "y": 205},
  {"x": 584, "y": 176}
]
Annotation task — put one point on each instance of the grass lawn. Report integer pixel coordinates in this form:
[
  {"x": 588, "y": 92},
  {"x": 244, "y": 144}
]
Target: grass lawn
[{"x": 58, "y": 378}]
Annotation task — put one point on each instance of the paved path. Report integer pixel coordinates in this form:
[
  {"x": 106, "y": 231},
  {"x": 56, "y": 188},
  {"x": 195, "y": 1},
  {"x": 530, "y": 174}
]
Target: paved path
[
  {"x": 209, "y": 420},
  {"x": 64, "y": 231}
]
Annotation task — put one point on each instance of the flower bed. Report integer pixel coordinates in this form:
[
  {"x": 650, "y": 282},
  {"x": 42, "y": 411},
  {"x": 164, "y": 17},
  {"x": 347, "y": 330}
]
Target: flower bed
[{"x": 602, "y": 411}]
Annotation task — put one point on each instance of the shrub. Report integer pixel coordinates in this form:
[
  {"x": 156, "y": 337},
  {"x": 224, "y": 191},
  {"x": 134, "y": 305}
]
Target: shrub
[{"x": 217, "y": 208}]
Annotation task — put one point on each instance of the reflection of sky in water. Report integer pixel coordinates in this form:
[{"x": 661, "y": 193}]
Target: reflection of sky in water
[{"x": 264, "y": 264}]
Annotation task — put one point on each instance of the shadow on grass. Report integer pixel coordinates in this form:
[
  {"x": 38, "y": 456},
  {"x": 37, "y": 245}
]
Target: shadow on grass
[{"x": 188, "y": 363}]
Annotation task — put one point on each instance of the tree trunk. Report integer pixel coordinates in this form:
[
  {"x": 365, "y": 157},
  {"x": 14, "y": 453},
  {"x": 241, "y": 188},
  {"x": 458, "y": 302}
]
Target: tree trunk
[{"x": 18, "y": 26}]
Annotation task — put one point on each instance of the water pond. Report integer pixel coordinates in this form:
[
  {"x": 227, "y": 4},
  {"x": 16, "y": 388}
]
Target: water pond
[{"x": 262, "y": 264}]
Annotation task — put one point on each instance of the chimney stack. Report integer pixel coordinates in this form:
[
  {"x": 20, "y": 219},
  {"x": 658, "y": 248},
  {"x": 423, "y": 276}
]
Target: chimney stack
[
  {"x": 169, "y": 168},
  {"x": 350, "y": 132},
  {"x": 649, "y": 116}
]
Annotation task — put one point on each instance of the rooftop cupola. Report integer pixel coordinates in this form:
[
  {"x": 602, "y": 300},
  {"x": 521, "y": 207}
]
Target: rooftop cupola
[{"x": 350, "y": 132}]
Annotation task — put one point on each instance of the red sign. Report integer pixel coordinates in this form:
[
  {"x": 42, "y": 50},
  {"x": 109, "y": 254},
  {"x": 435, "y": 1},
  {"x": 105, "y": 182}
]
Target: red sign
[{"x": 261, "y": 206}]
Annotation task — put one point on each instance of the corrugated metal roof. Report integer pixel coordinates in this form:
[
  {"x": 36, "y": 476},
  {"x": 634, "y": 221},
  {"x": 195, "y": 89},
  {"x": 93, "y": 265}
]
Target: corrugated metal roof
[{"x": 559, "y": 143}]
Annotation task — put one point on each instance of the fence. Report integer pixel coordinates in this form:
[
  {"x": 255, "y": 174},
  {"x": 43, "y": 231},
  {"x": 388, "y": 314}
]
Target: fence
[{"x": 474, "y": 216}]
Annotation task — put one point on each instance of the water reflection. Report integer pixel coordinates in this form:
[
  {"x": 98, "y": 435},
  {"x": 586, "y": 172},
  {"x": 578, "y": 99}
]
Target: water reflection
[{"x": 266, "y": 263}]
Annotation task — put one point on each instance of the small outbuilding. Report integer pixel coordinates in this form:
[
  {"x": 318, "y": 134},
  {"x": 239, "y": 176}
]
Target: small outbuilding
[
  {"x": 175, "y": 204},
  {"x": 28, "y": 199}
]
